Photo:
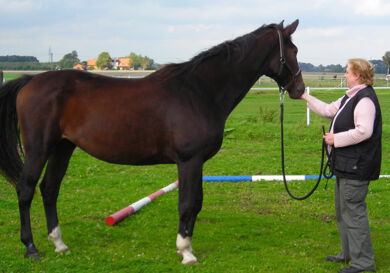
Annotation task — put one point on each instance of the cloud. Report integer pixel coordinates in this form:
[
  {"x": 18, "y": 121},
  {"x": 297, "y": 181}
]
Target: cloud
[
  {"x": 370, "y": 7},
  {"x": 330, "y": 32},
  {"x": 337, "y": 45},
  {"x": 176, "y": 30},
  {"x": 190, "y": 27},
  {"x": 17, "y": 6}
]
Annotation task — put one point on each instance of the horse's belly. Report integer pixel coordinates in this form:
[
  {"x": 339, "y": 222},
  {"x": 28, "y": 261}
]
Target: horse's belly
[
  {"x": 124, "y": 150},
  {"x": 132, "y": 158}
]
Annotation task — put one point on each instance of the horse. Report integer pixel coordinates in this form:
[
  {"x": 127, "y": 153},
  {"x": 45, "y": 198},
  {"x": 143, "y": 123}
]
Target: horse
[{"x": 175, "y": 115}]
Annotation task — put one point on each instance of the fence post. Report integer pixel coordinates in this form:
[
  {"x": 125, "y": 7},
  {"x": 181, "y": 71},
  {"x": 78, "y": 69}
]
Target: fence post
[
  {"x": 307, "y": 108},
  {"x": 1, "y": 78}
]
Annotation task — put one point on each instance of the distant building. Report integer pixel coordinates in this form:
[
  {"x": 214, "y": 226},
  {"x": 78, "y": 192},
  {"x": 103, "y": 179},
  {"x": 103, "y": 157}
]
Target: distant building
[
  {"x": 91, "y": 64},
  {"x": 78, "y": 67},
  {"x": 122, "y": 63}
]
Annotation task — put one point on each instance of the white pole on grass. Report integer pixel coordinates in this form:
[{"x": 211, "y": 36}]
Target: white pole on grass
[{"x": 307, "y": 108}]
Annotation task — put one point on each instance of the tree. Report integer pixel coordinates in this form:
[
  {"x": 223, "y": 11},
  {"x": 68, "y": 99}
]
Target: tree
[
  {"x": 307, "y": 67},
  {"x": 84, "y": 64},
  {"x": 104, "y": 61},
  {"x": 379, "y": 66},
  {"x": 386, "y": 59},
  {"x": 141, "y": 61},
  {"x": 69, "y": 60},
  {"x": 147, "y": 63},
  {"x": 136, "y": 60},
  {"x": 18, "y": 59},
  {"x": 338, "y": 68}
]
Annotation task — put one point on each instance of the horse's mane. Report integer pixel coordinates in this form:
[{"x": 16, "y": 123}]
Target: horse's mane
[{"x": 242, "y": 44}]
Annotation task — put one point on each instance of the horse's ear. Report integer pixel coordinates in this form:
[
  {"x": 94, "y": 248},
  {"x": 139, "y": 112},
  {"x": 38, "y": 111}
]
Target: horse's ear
[
  {"x": 290, "y": 29},
  {"x": 281, "y": 24}
]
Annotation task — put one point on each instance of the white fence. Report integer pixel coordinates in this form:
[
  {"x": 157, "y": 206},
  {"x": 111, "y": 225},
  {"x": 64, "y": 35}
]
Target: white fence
[
  {"x": 323, "y": 88},
  {"x": 308, "y": 89}
]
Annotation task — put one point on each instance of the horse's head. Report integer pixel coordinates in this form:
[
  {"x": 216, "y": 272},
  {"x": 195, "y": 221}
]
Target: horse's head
[{"x": 283, "y": 66}]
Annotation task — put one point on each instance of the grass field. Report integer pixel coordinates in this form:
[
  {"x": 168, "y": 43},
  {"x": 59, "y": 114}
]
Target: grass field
[
  {"x": 243, "y": 227},
  {"x": 9, "y": 77}
]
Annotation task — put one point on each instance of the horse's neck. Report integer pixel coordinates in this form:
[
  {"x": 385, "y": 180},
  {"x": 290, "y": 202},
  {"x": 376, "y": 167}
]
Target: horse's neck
[
  {"x": 235, "y": 89},
  {"x": 235, "y": 85}
]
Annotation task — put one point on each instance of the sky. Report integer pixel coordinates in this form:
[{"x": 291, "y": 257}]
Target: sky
[{"x": 172, "y": 31}]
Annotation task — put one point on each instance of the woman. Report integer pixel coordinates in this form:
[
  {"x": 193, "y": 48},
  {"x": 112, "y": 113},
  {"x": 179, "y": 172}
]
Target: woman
[{"x": 355, "y": 141}]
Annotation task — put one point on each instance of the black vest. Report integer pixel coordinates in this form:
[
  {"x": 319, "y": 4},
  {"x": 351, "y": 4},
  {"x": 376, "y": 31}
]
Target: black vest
[{"x": 361, "y": 161}]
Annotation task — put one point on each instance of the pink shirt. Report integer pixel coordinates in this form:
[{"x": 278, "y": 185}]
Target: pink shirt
[{"x": 364, "y": 117}]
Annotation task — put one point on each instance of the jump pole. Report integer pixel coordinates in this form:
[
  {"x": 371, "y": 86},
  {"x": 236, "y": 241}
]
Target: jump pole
[
  {"x": 133, "y": 208},
  {"x": 252, "y": 178}
]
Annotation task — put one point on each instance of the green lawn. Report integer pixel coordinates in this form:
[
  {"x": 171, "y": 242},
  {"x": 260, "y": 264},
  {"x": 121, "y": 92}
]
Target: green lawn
[
  {"x": 9, "y": 77},
  {"x": 243, "y": 227}
]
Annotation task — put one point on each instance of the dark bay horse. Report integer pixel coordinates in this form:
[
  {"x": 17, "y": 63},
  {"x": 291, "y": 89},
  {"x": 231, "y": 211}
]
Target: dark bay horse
[{"x": 173, "y": 116}]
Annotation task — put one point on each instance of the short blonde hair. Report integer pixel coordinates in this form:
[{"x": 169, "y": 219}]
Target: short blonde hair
[{"x": 364, "y": 69}]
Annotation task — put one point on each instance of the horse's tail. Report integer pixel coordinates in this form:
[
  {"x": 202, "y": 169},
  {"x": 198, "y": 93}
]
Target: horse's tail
[
  {"x": 11, "y": 151},
  {"x": 1, "y": 78}
]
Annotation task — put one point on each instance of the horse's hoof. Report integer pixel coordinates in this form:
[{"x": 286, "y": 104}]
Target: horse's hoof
[
  {"x": 32, "y": 252},
  {"x": 189, "y": 261},
  {"x": 188, "y": 257},
  {"x": 62, "y": 249},
  {"x": 32, "y": 255}
]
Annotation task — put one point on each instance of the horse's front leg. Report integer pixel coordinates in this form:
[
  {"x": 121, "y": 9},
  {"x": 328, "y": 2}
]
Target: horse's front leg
[{"x": 190, "y": 204}]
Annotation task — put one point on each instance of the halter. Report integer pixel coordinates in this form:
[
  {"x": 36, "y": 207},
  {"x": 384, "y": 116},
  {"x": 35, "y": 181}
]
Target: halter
[
  {"x": 282, "y": 92},
  {"x": 283, "y": 63}
]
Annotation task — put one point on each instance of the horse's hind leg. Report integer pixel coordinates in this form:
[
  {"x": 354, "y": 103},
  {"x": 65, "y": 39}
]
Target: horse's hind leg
[
  {"x": 25, "y": 188},
  {"x": 50, "y": 186},
  {"x": 190, "y": 204}
]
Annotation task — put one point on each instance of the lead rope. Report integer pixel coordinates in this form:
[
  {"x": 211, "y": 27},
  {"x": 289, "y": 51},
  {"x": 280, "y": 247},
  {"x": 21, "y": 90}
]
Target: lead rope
[
  {"x": 328, "y": 173},
  {"x": 282, "y": 93}
]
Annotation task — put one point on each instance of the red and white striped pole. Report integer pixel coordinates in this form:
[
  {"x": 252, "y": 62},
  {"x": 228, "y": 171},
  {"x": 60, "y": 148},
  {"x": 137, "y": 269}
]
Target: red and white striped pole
[{"x": 123, "y": 213}]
